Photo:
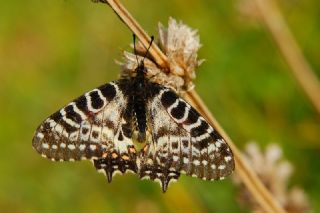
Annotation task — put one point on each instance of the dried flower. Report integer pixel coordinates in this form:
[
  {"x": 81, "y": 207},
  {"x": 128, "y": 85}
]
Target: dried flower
[
  {"x": 180, "y": 44},
  {"x": 275, "y": 174}
]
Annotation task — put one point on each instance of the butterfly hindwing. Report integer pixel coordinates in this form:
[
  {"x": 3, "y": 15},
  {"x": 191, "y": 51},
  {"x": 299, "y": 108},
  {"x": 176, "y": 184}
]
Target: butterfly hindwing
[
  {"x": 94, "y": 126},
  {"x": 182, "y": 141}
]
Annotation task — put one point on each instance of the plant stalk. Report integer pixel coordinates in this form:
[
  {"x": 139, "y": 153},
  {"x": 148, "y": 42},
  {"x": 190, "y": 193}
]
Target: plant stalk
[{"x": 290, "y": 50}]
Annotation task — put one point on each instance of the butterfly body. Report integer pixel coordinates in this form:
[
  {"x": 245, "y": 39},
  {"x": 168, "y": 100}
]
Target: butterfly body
[
  {"x": 101, "y": 124},
  {"x": 139, "y": 94}
]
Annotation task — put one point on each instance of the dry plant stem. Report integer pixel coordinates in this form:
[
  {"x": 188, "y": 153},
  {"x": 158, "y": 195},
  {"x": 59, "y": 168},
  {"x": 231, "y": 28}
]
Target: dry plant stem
[
  {"x": 255, "y": 186},
  {"x": 290, "y": 50}
]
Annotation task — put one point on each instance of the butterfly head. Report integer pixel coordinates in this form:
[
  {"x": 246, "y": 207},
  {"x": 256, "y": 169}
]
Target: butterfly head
[{"x": 141, "y": 69}]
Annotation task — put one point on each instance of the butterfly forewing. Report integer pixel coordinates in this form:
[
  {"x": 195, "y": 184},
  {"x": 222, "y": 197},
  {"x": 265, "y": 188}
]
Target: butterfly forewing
[
  {"x": 210, "y": 157},
  {"x": 182, "y": 141},
  {"x": 90, "y": 127}
]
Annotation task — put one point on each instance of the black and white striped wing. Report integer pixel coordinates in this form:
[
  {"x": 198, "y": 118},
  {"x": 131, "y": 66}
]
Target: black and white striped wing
[
  {"x": 182, "y": 141},
  {"x": 95, "y": 126}
]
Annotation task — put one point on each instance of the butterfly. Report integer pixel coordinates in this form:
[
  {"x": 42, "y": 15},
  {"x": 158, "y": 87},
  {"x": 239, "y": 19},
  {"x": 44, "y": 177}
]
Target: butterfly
[{"x": 108, "y": 124}]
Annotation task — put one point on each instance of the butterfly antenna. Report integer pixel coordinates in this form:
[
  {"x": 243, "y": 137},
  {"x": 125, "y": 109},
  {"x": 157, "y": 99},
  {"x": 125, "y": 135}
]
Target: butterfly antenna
[
  {"x": 134, "y": 47},
  {"x": 152, "y": 38}
]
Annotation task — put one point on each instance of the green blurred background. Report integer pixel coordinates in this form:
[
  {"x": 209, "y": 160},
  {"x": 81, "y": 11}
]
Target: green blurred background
[{"x": 53, "y": 51}]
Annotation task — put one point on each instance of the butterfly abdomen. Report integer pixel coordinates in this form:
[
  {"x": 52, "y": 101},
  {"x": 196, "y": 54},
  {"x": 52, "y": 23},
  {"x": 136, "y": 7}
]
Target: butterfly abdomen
[{"x": 140, "y": 113}]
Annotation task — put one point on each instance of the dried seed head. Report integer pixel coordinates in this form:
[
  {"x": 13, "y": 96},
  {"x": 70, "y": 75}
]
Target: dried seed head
[
  {"x": 275, "y": 173},
  {"x": 180, "y": 44}
]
